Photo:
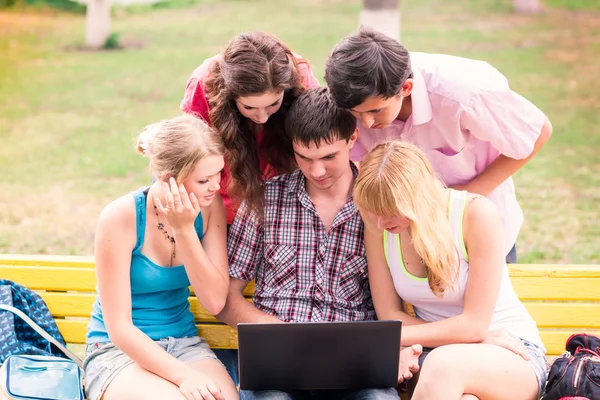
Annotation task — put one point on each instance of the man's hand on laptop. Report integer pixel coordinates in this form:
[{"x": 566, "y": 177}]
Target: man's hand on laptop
[{"x": 409, "y": 362}]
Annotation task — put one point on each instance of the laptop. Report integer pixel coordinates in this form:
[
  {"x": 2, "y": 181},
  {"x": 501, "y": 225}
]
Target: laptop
[{"x": 319, "y": 355}]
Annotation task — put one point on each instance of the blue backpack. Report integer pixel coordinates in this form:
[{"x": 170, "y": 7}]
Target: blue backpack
[
  {"x": 32, "y": 350},
  {"x": 16, "y": 336}
]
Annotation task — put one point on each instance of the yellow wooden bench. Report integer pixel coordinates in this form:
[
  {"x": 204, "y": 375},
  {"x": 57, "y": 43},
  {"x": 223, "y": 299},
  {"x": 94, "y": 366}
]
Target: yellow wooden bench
[{"x": 563, "y": 299}]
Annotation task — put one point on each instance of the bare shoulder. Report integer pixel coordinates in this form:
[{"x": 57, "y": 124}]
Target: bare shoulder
[
  {"x": 370, "y": 227},
  {"x": 116, "y": 232},
  {"x": 481, "y": 216},
  {"x": 119, "y": 213},
  {"x": 479, "y": 206},
  {"x": 371, "y": 230},
  {"x": 217, "y": 206},
  {"x": 215, "y": 212}
]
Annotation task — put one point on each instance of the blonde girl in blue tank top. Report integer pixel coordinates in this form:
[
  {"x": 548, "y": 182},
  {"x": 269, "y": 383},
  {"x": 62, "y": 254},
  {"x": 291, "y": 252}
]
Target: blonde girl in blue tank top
[
  {"x": 442, "y": 251},
  {"x": 150, "y": 246}
]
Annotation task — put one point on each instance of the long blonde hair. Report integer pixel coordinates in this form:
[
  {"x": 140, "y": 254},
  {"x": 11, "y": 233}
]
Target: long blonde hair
[
  {"x": 396, "y": 179},
  {"x": 175, "y": 145}
]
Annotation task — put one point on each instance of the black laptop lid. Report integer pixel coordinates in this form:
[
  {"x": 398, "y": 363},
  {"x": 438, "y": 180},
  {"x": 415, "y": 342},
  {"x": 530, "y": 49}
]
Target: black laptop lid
[{"x": 313, "y": 356}]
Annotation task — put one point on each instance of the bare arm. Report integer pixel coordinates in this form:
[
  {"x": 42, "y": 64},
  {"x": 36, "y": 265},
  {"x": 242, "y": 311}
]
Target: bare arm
[
  {"x": 504, "y": 167},
  {"x": 482, "y": 231},
  {"x": 114, "y": 241},
  {"x": 388, "y": 304},
  {"x": 239, "y": 310},
  {"x": 206, "y": 269},
  {"x": 206, "y": 261}
]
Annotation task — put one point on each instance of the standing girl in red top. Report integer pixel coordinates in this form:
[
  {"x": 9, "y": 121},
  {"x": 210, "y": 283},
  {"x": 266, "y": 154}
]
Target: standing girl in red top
[{"x": 244, "y": 93}]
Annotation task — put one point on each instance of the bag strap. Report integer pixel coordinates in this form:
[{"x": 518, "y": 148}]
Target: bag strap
[{"x": 43, "y": 333}]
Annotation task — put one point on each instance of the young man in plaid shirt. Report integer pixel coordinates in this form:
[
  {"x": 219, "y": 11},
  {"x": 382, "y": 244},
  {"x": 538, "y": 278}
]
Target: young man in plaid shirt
[{"x": 306, "y": 251}]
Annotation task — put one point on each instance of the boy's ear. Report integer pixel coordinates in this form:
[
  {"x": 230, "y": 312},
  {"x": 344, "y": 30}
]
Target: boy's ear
[
  {"x": 353, "y": 138},
  {"x": 407, "y": 87}
]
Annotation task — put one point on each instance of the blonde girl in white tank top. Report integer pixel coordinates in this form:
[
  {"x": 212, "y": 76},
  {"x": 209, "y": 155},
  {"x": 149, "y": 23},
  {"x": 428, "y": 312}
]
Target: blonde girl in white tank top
[{"x": 442, "y": 251}]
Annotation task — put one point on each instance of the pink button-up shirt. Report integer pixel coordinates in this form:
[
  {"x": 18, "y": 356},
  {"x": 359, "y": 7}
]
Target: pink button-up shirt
[{"x": 464, "y": 115}]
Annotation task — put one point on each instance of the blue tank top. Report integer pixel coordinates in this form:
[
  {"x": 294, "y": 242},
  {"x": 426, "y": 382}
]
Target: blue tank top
[{"x": 159, "y": 295}]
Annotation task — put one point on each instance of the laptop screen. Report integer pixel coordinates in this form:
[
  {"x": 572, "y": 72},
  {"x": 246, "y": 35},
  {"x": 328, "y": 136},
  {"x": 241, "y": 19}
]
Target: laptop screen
[{"x": 319, "y": 355}]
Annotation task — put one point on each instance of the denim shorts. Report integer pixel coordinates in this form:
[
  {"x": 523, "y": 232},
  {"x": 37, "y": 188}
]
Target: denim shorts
[
  {"x": 539, "y": 363},
  {"x": 104, "y": 361}
]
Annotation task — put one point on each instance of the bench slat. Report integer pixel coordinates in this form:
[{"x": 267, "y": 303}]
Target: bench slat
[
  {"x": 56, "y": 278},
  {"x": 47, "y": 260},
  {"x": 543, "y": 288},
  {"x": 546, "y": 314},
  {"x": 80, "y": 305},
  {"x": 564, "y": 315},
  {"x": 69, "y": 304},
  {"x": 217, "y": 335},
  {"x": 535, "y": 286},
  {"x": 555, "y": 271},
  {"x": 549, "y": 270},
  {"x": 51, "y": 278}
]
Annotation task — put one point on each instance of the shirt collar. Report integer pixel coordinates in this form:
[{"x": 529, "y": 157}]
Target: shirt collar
[
  {"x": 296, "y": 182},
  {"x": 421, "y": 106}
]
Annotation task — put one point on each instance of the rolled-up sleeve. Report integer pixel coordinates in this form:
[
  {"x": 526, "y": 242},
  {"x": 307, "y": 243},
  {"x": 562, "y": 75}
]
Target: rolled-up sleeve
[
  {"x": 245, "y": 245},
  {"x": 194, "y": 99},
  {"x": 306, "y": 75},
  {"x": 510, "y": 122}
]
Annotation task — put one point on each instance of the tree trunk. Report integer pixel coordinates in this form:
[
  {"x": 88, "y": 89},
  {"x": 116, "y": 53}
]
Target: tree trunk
[
  {"x": 382, "y": 16},
  {"x": 97, "y": 18},
  {"x": 527, "y": 6}
]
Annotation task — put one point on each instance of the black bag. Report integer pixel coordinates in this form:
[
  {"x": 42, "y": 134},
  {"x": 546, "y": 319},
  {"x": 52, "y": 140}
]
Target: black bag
[{"x": 576, "y": 374}]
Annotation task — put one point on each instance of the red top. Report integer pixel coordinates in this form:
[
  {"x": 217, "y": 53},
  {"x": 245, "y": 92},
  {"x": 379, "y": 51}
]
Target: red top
[{"x": 194, "y": 102}]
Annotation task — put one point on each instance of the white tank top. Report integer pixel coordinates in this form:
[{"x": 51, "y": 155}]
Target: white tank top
[{"x": 509, "y": 314}]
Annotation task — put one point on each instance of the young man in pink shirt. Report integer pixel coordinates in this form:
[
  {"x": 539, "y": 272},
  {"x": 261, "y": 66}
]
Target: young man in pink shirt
[{"x": 462, "y": 113}]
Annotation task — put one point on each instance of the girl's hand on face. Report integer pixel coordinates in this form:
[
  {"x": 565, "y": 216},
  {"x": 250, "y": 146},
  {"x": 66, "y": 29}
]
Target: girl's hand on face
[{"x": 181, "y": 209}]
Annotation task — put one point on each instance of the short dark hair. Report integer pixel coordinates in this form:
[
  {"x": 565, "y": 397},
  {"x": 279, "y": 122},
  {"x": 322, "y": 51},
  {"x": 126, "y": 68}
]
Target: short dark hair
[
  {"x": 314, "y": 117},
  {"x": 365, "y": 64}
]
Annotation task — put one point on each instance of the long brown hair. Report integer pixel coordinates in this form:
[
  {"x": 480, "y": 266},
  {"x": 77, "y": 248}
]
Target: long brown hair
[{"x": 252, "y": 64}]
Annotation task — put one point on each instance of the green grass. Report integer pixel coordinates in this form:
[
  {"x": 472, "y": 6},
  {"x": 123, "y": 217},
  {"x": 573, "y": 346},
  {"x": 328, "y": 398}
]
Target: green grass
[
  {"x": 68, "y": 118},
  {"x": 575, "y": 5}
]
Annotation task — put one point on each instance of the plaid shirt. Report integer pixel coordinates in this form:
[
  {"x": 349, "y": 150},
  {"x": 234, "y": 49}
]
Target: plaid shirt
[{"x": 303, "y": 273}]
